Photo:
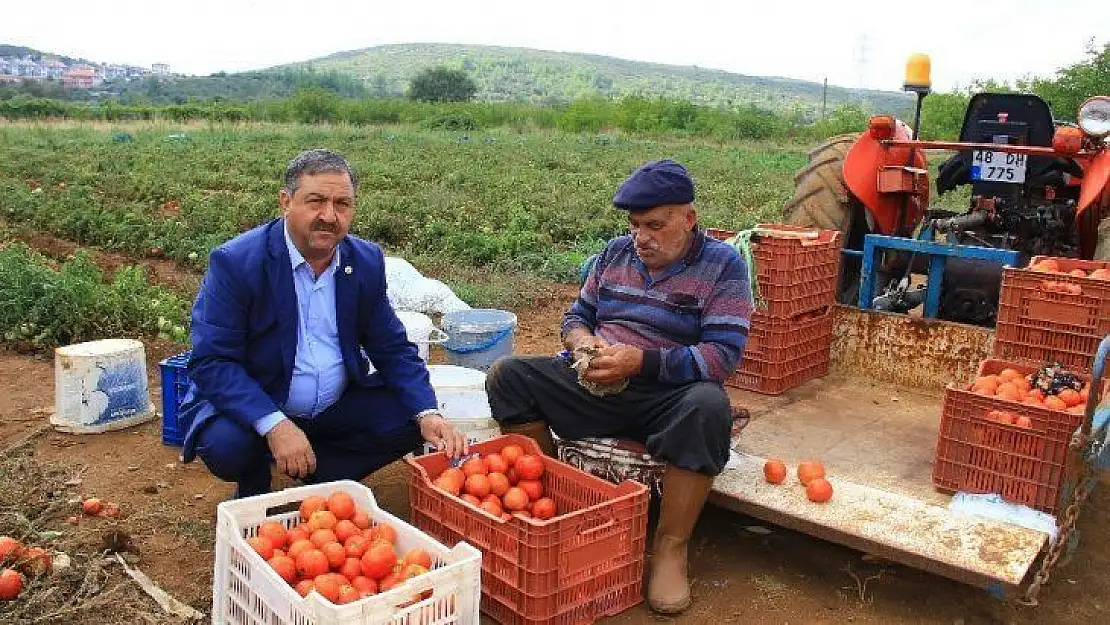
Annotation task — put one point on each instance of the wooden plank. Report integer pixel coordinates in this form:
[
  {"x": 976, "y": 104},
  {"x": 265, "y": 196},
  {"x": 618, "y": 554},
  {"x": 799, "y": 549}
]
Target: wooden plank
[{"x": 902, "y": 529}]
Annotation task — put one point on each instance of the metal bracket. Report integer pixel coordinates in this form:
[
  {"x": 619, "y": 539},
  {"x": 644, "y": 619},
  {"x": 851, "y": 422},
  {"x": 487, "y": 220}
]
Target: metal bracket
[{"x": 938, "y": 254}]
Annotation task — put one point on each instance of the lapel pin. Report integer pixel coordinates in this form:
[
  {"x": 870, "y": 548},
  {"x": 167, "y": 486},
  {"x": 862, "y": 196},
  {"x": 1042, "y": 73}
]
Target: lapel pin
[{"x": 347, "y": 270}]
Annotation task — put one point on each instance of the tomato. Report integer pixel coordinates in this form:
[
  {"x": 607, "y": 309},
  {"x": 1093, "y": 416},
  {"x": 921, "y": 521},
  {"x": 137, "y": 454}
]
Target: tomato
[
  {"x": 10, "y": 549},
  {"x": 351, "y": 568},
  {"x": 477, "y": 484},
  {"x": 474, "y": 466},
  {"x": 356, "y": 545},
  {"x": 819, "y": 490},
  {"x": 378, "y": 560},
  {"x": 299, "y": 547},
  {"x": 275, "y": 532},
  {"x": 286, "y": 568},
  {"x": 345, "y": 529},
  {"x": 774, "y": 471},
  {"x": 304, "y": 587},
  {"x": 322, "y": 520},
  {"x": 529, "y": 467},
  {"x": 361, "y": 519},
  {"x": 320, "y": 538},
  {"x": 543, "y": 508},
  {"x": 262, "y": 546},
  {"x": 347, "y": 594},
  {"x": 498, "y": 484},
  {"x": 365, "y": 586},
  {"x": 11, "y": 584},
  {"x": 335, "y": 553},
  {"x": 511, "y": 453},
  {"x": 92, "y": 506},
  {"x": 533, "y": 488},
  {"x": 418, "y": 556},
  {"x": 516, "y": 499},
  {"x": 496, "y": 463},
  {"x": 810, "y": 470},
  {"x": 312, "y": 504},
  {"x": 311, "y": 563},
  {"x": 341, "y": 505},
  {"x": 385, "y": 532},
  {"x": 328, "y": 586}
]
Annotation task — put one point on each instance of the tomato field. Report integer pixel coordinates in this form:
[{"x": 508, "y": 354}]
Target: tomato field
[{"x": 105, "y": 231}]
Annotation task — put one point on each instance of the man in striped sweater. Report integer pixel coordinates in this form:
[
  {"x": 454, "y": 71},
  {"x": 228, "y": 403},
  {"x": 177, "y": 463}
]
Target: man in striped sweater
[{"x": 662, "y": 320}]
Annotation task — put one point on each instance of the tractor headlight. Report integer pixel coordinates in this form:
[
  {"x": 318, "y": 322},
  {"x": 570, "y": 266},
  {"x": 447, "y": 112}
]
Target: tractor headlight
[{"x": 1094, "y": 116}]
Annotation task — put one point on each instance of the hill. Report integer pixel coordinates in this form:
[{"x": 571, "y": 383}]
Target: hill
[{"x": 544, "y": 77}]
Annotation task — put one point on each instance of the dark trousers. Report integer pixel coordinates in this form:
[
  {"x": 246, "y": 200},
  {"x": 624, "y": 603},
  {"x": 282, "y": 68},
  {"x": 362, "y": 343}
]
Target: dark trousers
[
  {"x": 685, "y": 425},
  {"x": 346, "y": 444}
]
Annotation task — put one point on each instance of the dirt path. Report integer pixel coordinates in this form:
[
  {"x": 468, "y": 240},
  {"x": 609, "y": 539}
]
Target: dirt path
[{"x": 743, "y": 571}]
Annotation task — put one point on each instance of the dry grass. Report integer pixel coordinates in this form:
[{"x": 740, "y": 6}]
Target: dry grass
[{"x": 34, "y": 505}]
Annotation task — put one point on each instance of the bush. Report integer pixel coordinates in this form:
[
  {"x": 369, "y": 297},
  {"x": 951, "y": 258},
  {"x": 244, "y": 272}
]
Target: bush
[
  {"x": 450, "y": 122},
  {"x": 43, "y": 307}
]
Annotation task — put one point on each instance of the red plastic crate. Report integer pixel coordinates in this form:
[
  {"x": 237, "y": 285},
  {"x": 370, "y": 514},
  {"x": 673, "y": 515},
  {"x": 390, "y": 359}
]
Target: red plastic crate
[
  {"x": 977, "y": 455},
  {"x": 1041, "y": 326},
  {"x": 1045, "y": 344},
  {"x": 778, "y": 379},
  {"x": 772, "y": 339},
  {"x": 794, "y": 275},
  {"x": 535, "y": 571}
]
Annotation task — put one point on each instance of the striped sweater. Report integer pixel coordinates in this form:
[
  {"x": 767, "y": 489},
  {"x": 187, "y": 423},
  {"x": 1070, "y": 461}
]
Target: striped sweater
[{"x": 691, "y": 321}]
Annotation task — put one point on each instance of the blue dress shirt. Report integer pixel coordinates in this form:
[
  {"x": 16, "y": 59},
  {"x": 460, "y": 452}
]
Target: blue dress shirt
[{"x": 319, "y": 376}]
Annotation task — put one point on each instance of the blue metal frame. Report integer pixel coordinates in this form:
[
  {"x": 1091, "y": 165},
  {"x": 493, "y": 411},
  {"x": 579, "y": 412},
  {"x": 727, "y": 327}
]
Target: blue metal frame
[{"x": 938, "y": 254}]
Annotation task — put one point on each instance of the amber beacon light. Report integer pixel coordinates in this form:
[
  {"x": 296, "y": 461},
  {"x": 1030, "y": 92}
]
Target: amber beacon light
[{"x": 918, "y": 68}]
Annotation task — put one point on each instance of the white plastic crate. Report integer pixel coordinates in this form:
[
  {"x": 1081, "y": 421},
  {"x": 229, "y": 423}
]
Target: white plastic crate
[{"x": 246, "y": 591}]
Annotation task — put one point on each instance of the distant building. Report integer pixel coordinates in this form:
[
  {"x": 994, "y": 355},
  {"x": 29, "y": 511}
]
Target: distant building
[
  {"x": 160, "y": 69},
  {"x": 81, "y": 77}
]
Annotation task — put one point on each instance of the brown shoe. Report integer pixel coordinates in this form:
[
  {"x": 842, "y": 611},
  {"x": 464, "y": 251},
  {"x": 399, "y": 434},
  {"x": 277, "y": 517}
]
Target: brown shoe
[
  {"x": 535, "y": 430},
  {"x": 684, "y": 494}
]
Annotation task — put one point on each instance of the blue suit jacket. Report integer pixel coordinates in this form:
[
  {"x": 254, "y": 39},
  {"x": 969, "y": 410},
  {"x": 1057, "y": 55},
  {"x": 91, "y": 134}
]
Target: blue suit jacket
[{"x": 244, "y": 333}]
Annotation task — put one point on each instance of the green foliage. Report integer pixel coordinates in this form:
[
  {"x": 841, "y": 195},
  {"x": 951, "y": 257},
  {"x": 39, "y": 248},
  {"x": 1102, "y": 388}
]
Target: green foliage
[
  {"x": 942, "y": 115},
  {"x": 559, "y": 78},
  {"x": 440, "y": 84},
  {"x": 535, "y": 204},
  {"x": 42, "y": 306},
  {"x": 1076, "y": 83}
]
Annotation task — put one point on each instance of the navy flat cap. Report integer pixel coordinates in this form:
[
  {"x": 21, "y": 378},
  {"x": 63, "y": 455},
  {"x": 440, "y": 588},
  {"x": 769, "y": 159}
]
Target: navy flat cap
[{"x": 658, "y": 183}]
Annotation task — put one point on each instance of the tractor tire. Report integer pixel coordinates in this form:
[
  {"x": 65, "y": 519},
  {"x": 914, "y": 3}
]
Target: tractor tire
[{"x": 822, "y": 200}]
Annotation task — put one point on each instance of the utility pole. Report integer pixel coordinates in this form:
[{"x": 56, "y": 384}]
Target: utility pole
[{"x": 861, "y": 60}]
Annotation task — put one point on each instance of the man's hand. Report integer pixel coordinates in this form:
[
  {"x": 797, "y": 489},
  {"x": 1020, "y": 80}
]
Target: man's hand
[
  {"x": 292, "y": 452},
  {"x": 581, "y": 338},
  {"x": 614, "y": 364},
  {"x": 439, "y": 433}
]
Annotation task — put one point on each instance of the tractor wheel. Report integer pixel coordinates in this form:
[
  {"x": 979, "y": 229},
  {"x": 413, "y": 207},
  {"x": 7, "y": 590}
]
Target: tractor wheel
[{"x": 822, "y": 200}]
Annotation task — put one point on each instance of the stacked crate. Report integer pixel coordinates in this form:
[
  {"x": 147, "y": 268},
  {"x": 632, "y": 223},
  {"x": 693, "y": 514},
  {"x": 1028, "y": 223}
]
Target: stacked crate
[
  {"x": 1053, "y": 317},
  {"x": 796, "y": 270},
  {"x": 1043, "y": 318}
]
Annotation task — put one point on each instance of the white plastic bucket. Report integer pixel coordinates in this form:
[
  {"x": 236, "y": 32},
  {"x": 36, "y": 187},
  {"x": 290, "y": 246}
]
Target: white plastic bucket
[
  {"x": 461, "y": 397},
  {"x": 420, "y": 331},
  {"x": 100, "y": 386}
]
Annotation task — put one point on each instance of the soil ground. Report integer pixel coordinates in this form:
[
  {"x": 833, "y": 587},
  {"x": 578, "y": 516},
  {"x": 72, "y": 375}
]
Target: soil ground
[{"x": 743, "y": 571}]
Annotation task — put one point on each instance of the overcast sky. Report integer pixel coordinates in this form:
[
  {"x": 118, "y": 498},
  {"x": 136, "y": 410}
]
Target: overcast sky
[{"x": 807, "y": 39}]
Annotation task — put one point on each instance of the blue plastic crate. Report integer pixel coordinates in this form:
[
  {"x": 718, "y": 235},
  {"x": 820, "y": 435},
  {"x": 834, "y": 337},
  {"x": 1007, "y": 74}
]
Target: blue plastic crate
[{"x": 175, "y": 383}]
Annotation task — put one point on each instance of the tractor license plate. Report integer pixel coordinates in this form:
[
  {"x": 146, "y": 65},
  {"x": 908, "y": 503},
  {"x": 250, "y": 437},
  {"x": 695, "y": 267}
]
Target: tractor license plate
[{"x": 990, "y": 166}]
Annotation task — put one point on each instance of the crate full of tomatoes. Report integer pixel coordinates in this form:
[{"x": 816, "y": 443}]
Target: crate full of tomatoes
[
  {"x": 1057, "y": 309},
  {"x": 1007, "y": 432},
  {"x": 558, "y": 544},
  {"x": 328, "y": 554}
]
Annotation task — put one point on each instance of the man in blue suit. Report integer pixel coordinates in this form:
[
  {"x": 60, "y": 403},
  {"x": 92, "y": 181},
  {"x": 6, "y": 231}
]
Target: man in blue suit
[{"x": 288, "y": 319}]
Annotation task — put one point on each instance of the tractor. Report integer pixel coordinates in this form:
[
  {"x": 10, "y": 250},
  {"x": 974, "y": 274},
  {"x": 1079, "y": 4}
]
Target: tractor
[{"x": 1038, "y": 186}]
